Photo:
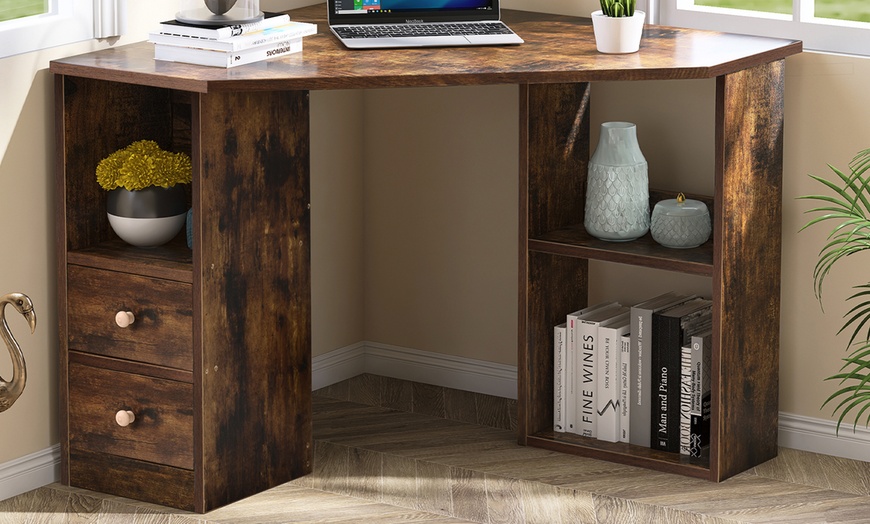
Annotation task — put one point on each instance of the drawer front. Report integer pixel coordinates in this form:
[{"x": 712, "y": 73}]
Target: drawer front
[
  {"x": 162, "y": 431},
  {"x": 133, "y": 479},
  {"x": 162, "y": 329}
]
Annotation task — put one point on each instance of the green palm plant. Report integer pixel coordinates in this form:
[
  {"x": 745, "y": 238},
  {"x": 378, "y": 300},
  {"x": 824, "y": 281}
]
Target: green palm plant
[
  {"x": 849, "y": 211},
  {"x": 618, "y": 8}
]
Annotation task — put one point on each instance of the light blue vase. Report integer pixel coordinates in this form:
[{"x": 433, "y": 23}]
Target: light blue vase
[{"x": 617, "y": 188}]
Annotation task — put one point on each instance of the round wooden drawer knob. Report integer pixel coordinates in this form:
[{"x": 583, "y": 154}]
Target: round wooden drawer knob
[
  {"x": 124, "y": 418},
  {"x": 124, "y": 318}
]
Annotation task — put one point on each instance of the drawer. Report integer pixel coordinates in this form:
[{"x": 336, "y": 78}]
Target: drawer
[
  {"x": 162, "y": 431},
  {"x": 133, "y": 479},
  {"x": 162, "y": 328}
]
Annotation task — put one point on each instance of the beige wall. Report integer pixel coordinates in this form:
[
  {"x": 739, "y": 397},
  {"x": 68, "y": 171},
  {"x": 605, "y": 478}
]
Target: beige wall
[{"x": 415, "y": 248}]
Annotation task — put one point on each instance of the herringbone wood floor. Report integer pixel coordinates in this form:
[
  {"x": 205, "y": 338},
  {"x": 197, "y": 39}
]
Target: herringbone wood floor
[{"x": 408, "y": 452}]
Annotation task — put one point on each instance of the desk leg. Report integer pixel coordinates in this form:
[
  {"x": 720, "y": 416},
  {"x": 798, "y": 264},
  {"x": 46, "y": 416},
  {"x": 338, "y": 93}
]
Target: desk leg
[
  {"x": 554, "y": 152},
  {"x": 252, "y": 289},
  {"x": 747, "y": 267}
]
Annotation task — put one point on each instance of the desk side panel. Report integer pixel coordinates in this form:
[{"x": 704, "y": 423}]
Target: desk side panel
[
  {"x": 554, "y": 153},
  {"x": 747, "y": 268},
  {"x": 252, "y": 287}
]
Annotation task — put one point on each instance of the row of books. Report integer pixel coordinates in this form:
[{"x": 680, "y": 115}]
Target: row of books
[
  {"x": 230, "y": 46},
  {"x": 636, "y": 374}
]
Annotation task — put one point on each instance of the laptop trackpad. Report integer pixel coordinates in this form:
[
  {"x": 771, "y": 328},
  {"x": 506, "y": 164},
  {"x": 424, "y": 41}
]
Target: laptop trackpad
[
  {"x": 410, "y": 41},
  {"x": 493, "y": 39}
]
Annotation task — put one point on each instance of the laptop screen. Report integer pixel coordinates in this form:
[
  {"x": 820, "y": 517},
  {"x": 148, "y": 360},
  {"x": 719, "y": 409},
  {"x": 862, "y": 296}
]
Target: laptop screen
[{"x": 411, "y": 11}]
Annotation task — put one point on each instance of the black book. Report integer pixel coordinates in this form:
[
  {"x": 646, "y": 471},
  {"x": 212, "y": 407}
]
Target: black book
[{"x": 672, "y": 329}]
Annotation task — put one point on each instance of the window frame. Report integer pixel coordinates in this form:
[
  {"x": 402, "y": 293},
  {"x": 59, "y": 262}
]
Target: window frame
[
  {"x": 66, "y": 22},
  {"x": 817, "y": 34}
]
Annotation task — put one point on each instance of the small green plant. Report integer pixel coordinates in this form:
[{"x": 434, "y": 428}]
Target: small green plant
[
  {"x": 849, "y": 210},
  {"x": 143, "y": 164},
  {"x": 618, "y": 8}
]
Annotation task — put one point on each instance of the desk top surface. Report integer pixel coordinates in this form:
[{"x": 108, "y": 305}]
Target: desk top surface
[{"x": 557, "y": 49}]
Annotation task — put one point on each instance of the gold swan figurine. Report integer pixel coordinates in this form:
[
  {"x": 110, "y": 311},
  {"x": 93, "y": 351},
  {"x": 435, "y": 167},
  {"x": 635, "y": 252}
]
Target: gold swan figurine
[{"x": 10, "y": 391}]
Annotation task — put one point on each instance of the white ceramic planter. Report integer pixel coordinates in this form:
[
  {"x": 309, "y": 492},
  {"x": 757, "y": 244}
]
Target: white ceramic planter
[
  {"x": 618, "y": 35},
  {"x": 149, "y": 217},
  {"x": 147, "y": 232}
]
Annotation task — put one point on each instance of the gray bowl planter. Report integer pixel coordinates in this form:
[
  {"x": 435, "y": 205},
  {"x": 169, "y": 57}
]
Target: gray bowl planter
[{"x": 148, "y": 217}]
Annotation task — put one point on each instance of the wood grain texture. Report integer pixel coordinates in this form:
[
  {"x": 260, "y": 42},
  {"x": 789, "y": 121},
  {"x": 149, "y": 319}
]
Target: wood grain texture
[
  {"x": 743, "y": 259},
  {"x": 162, "y": 332},
  {"x": 171, "y": 261},
  {"x": 162, "y": 432},
  {"x": 747, "y": 267},
  {"x": 130, "y": 366},
  {"x": 93, "y": 119},
  {"x": 796, "y": 487},
  {"x": 554, "y": 151},
  {"x": 98, "y": 119},
  {"x": 252, "y": 291},
  {"x": 556, "y": 286},
  {"x": 135, "y": 479},
  {"x": 557, "y": 49}
]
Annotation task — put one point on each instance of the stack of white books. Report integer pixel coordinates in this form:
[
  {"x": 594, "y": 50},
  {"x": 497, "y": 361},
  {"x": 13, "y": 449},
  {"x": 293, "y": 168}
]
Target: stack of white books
[{"x": 230, "y": 46}]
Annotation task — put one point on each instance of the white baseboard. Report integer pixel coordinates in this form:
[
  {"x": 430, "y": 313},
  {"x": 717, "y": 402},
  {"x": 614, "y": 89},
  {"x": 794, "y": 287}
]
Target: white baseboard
[
  {"x": 29, "y": 472},
  {"x": 796, "y": 432},
  {"x": 441, "y": 370},
  {"x": 414, "y": 365},
  {"x": 335, "y": 366},
  {"x": 820, "y": 436}
]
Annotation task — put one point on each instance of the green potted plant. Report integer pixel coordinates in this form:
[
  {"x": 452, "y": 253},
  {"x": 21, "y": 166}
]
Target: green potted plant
[
  {"x": 618, "y": 26},
  {"x": 147, "y": 202},
  {"x": 848, "y": 212}
]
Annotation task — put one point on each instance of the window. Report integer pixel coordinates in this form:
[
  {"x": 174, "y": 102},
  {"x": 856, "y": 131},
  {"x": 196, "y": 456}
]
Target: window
[
  {"x": 824, "y": 25},
  {"x": 30, "y": 25},
  {"x": 14, "y": 9}
]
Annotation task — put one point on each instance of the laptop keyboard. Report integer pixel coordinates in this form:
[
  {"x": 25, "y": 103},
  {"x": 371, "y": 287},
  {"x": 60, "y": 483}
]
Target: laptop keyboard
[{"x": 432, "y": 29}]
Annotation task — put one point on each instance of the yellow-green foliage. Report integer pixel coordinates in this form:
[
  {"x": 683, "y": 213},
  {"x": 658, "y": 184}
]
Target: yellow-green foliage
[{"x": 143, "y": 164}]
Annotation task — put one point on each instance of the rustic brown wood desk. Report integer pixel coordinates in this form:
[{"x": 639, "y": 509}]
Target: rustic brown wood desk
[{"x": 217, "y": 366}]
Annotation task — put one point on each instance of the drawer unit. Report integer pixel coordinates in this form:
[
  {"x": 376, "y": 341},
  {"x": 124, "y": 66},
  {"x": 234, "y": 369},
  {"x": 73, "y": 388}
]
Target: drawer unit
[
  {"x": 102, "y": 402},
  {"x": 101, "y": 301},
  {"x": 214, "y": 359}
]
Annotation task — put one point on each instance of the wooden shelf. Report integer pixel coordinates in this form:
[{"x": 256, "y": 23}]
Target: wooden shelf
[
  {"x": 172, "y": 261},
  {"x": 575, "y": 242},
  {"x": 742, "y": 258},
  {"x": 622, "y": 453}
]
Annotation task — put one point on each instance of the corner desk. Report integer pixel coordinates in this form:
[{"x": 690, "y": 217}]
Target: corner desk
[{"x": 217, "y": 366}]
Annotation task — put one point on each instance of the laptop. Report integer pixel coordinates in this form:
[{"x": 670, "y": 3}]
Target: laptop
[{"x": 373, "y": 24}]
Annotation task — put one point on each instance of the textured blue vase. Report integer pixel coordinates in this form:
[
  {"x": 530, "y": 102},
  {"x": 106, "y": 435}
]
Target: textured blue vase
[{"x": 617, "y": 187}]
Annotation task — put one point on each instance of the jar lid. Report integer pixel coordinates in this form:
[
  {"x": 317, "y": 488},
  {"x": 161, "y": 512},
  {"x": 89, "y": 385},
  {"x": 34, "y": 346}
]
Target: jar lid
[{"x": 681, "y": 207}]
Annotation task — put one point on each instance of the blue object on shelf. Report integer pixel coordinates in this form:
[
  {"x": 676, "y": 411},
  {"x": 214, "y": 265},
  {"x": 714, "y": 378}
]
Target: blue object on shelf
[{"x": 190, "y": 228}]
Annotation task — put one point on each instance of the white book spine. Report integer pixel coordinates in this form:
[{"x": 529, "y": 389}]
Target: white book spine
[
  {"x": 238, "y": 43},
  {"x": 560, "y": 354},
  {"x": 224, "y": 32},
  {"x": 226, "y": 59},
  {"x": 625, "y": 389},
  {"x": 585, "y": 370},
  {"x": 608, "y": 350},
  {"x": 571, "y": 364},
  {"x": 570, "y": 379}
]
